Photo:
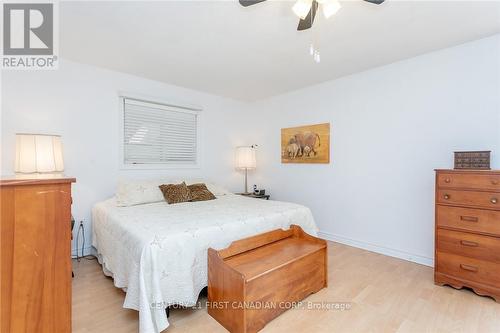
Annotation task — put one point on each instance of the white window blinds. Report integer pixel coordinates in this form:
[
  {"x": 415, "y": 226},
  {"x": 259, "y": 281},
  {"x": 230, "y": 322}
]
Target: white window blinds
[{"x": 158, "y": 134}]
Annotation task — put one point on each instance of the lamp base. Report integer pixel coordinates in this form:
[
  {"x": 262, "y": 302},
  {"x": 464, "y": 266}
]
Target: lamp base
[{"x": 246, "y": 183}]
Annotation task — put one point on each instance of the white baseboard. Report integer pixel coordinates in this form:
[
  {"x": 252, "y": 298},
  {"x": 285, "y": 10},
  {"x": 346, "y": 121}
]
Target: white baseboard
[
  {"x": 343, "y": 240},
  {"x": 378, "y": 249}
]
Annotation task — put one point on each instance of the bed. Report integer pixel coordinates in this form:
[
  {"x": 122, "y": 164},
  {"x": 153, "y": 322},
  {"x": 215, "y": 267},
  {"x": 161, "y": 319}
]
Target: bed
[{"x": 157, "y": 252}]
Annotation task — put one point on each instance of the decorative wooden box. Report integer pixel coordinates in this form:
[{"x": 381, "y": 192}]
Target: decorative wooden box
[
  {"x": 256, "y": 279},
  {"x": 479, "y": 160}
]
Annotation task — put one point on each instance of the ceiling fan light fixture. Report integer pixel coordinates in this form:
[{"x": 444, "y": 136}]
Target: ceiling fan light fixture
[
  {"x": 330, "y": 7},
  {"x": 302, "y": 8}
]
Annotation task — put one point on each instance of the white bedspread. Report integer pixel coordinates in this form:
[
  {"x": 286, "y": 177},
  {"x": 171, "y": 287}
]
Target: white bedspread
[{"x": 158, "y": 252}]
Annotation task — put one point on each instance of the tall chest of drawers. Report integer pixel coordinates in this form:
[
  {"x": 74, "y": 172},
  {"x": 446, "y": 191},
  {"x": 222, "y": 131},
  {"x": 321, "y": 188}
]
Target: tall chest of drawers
[
  {"x": 35, "y": 233},
  {"x": 467, "y": 252}
]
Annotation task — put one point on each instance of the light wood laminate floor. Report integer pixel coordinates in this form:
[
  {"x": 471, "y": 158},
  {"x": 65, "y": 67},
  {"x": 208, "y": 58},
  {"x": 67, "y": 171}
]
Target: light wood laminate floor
[{"x": 385, "y": 294}]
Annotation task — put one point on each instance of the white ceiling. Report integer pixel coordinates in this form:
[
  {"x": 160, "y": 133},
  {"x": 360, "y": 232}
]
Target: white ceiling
[{"x": 255, "y": 52}]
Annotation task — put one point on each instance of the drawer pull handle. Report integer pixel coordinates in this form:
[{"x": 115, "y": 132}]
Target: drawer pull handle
[
  {"x": 468, "y": 268},
  {"x": 468, "y": 243},
  {"x": 447, "y": 180},
  {"x": 493, "y": 200},
  {"x": 446, "y": 196},
  {"x": 469, "y": 218},
  {"x": 494, "y": 182}
]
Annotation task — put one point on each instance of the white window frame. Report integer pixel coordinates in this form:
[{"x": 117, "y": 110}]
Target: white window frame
[{"x": 188, "y": 108}]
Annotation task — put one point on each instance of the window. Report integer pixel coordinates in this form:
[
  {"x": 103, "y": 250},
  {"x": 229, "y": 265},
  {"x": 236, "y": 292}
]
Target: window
[{"x": 157, "y": 134}]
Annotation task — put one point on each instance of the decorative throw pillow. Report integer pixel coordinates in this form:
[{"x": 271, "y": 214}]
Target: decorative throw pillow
[
  {"x": 200, "y": 192},
  {"x": 175, "y": 193}
]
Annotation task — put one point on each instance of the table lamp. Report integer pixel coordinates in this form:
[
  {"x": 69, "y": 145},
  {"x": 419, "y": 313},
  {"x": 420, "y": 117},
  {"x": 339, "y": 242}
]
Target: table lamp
[
  {"x": 245, "y": 160},
  {"x": 39, "y": 154}
]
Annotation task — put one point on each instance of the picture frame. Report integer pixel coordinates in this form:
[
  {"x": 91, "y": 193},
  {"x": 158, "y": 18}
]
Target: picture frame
[{"x": 306, "y": 144}]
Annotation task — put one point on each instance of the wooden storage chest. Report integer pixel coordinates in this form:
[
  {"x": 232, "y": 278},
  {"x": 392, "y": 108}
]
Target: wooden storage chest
[{"x": 256, "y": 279}]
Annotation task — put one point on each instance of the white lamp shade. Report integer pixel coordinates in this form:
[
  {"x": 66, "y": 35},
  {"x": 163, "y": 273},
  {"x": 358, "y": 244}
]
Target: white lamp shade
[
  {"x": 330, "y": 7},
  {"x": 245, "y": 158},
  {"x": 38, "y": 153},
  {"x": 302, "y": 8}
]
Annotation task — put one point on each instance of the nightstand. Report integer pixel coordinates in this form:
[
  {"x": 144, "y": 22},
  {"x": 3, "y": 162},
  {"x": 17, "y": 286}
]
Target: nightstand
[{"x": 256, "y": 196}]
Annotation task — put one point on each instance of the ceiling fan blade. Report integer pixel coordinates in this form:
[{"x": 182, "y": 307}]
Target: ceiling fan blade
[
  {"x": 246, "y": 3},
  {"x": 309, "y": 20},
  {"x": 377, "y": 2}
]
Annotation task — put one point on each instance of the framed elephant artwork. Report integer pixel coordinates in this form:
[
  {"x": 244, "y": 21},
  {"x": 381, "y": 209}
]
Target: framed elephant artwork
[{"x": 306, "y": 144}]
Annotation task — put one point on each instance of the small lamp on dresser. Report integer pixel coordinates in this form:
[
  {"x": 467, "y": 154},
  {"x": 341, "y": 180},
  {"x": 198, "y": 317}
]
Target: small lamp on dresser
[
  {"x": 39, "y": 156},
  {"x": 245, "y": 160}
]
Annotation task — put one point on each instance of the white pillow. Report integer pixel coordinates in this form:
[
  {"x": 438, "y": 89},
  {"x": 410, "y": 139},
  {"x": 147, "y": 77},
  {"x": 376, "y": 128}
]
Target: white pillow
[
  {"x": 130, "y": 193},
  {"x": 217, "y": 190}
]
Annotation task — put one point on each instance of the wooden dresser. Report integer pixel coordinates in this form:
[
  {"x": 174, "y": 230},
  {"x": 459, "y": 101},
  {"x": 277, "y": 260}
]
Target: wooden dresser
[
  {"x": 36, "y": 255},
  {"x": 468, "y": 230}
]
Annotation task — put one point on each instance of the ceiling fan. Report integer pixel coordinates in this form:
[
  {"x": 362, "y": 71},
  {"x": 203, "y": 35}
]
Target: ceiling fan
[{"x": 306, "y": 9}]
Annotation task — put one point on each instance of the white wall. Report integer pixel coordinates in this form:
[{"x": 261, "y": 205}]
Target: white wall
[
  {"x": 80, "y": 103},
  {"x": 391, "y": 126}
]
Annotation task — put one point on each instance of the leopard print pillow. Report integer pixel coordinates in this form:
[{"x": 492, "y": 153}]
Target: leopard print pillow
[
  {"x": 175, "y": 193},
  {"x": 200, "y": 192}
]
